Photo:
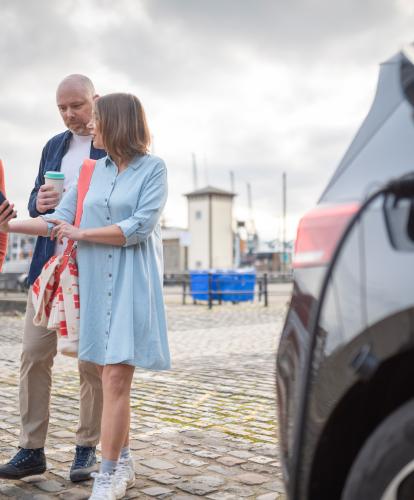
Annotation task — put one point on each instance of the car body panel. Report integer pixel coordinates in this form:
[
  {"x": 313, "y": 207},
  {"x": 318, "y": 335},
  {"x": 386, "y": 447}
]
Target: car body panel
[{"x": 372, "y": 281}]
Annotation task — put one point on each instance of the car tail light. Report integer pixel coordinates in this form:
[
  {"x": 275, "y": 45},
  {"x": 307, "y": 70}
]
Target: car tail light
[{"x": 319, "y": 232}]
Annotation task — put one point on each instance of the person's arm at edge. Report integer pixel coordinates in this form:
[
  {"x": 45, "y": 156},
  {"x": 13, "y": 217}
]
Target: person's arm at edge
[
  {"x": 3, "y": 237},
  {"x": 34, "y": 227},
  {"x": 107, "y": 235},
  {"x": 3, "y": 249}
]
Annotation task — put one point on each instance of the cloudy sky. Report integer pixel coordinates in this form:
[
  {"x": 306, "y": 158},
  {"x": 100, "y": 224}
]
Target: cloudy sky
[{"x": 256, "y": 87}]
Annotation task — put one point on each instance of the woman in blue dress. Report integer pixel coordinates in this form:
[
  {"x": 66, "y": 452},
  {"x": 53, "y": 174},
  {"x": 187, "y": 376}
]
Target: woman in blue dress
[{"x": 122, "y": 315}]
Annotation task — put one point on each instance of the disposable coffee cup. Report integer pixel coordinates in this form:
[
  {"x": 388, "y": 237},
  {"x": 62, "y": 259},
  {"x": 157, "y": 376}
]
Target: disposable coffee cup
[{"x": 55, "y": 179}]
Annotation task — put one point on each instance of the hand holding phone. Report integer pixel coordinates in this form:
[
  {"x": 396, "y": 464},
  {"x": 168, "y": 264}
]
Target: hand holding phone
[
  {"x": 7, "y": 211},
  {"x": 2, "y": 198}
]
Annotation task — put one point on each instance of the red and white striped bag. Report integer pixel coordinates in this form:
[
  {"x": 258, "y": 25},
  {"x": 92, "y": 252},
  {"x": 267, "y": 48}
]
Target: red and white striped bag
[{"x": 55, "y": 292}]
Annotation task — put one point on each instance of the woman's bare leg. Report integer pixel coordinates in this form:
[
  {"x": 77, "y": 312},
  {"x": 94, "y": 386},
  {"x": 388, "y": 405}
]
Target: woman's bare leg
[{"x": 116, "y": 384}]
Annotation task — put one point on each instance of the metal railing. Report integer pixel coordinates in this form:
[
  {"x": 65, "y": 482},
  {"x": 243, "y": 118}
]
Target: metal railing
[
  {"x": 10, "y": 282},
  {"x": 211, "y": 294}
]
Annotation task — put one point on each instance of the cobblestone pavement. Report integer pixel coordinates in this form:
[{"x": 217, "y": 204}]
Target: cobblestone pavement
[{"x": 206, "y": 428}]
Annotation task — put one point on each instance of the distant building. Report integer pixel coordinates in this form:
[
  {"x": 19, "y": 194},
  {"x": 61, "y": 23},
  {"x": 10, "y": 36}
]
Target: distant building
[
  {"x": 210, "y": 224},
  {"x": 19, "y": 255},
  {"x": 20, "y": 247},
  {"x": 175, "y": 242},
  {"x": 270, "y": 257}
]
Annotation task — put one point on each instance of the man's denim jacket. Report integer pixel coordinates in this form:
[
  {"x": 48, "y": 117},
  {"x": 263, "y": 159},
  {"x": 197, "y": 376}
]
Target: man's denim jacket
[{"x": 51, "y": 159}]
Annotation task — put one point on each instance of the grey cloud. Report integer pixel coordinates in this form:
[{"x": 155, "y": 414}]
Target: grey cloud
[
  {"x": 27, "y": 116},
  {"x": 308, "y": 171},
  {"x": 35, "y": 34},
  {"x": 180, "y": 46},
  {"x": 273, "y": 24},
  {"x": 40, "y": 43},
  {"x": 185, "y": 47}
]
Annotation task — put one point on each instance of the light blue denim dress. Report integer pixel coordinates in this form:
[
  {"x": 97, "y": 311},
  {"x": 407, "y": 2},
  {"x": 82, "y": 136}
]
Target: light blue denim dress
[{"x": 122, "y": 314}]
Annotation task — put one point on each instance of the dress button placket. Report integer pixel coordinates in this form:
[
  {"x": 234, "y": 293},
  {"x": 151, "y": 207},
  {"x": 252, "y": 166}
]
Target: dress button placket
[
  {"x": 110, "y": 264},
  {"x": 109, "y": 299},
  {"x": 108, "y": 215}
]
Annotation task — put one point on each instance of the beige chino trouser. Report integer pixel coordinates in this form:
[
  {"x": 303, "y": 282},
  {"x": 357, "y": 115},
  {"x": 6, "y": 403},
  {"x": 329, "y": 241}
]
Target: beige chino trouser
[{"x": 38, "y": 352}]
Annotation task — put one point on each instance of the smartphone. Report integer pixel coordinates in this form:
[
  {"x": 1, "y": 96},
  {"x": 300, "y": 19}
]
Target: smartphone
[{"x": 2, "y": 198}]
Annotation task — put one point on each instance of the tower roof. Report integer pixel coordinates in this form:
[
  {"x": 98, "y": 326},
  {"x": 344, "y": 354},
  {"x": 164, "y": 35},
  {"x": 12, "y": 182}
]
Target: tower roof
[{"x": 208, "y": 190}]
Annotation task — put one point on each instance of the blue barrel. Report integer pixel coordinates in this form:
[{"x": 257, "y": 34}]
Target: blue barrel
[
  {"x": 199, "y": 285},
  {"x": 226, "y": 285},
  {"x": 235, "y": 286}
]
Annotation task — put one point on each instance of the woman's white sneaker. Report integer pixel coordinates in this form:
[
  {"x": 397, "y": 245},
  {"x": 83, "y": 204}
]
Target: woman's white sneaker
[
  {"x": 103, "y": 486},
  {"x": 124, "y": 476}
]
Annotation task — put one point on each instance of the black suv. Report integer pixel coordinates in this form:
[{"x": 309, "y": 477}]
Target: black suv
[{"x": 345, "y": 363}]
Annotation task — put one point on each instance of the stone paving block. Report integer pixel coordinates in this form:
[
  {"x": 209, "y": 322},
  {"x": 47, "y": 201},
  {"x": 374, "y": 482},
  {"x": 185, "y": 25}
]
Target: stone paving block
[
  {"x": 240, "y": 443},
  {"x": 11, "y": 490},
  {"x": 252, "y": 467},
  {"x": 275, "y": 486},
  {"x": 133, "y": 493},
  {"x": 191, "y": 442},
  {"x": 182, "y": 470},
  {"x": 269, "y": 439},
  {"x": 184, "y": 497},
  {"x": 141, "y": 470},
  {"x": 237, "y": 491},
  {"x": 231, "y": 461},
  {"x": 201, "y": 485},
  {"x": 190, "y": 449},
  {"x": 194, "y": 434},
  {"x": 165, "y": 444},
  {"x": 50, "y": 486},
  {"x": 156, "y": 491},
  {"x": 241, "y": 454},
  {"x": 33, "y": 479},
  {"x": 155, "y": 463},
  {"x": 165, "y": 478},
  {"x": 206, "y": 454},
  {"x": 218, "y": 469},
  {"x": 60, "y": 457},
  {"x": 261, "y": 460},
  {"x": 222, "y": 450},
  {"x": 14, "y": 431},
  {"x": 62, "y": 434},
  {"x": 268, "y": 496},
  {"x": 5, "y": 425},
  {"x": 75, "y": 494},
  {"x": 251, "y": 478},
  {"x": 155, "y": 452},
  {"x": 222, "y": 496},
  {"x": 146, "y": 438},
  {"x": 13, "y": 420},
  {"x": 62, "y": 473},
  {"x": 64, "y": 447},
  {"x": 191, "y": 462}
]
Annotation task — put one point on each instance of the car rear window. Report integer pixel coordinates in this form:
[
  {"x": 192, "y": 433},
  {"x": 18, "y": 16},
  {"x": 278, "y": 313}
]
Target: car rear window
[{"x": 384, "y": 146}]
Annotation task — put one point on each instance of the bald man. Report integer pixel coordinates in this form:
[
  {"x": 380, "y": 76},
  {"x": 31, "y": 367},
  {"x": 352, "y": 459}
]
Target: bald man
[{"x": 65, "y": 152}]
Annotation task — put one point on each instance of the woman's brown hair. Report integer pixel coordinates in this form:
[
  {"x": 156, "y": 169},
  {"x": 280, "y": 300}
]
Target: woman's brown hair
[{"x": 123, "y": 125}]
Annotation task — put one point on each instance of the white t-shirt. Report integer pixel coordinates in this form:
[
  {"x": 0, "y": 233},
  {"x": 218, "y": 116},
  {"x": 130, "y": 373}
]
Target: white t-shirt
[{"x": 79, "y": 149}]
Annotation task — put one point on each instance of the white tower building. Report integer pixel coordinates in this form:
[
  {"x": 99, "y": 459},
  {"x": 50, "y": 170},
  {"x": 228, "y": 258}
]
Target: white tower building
[{"x": 210, "y": 224}]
